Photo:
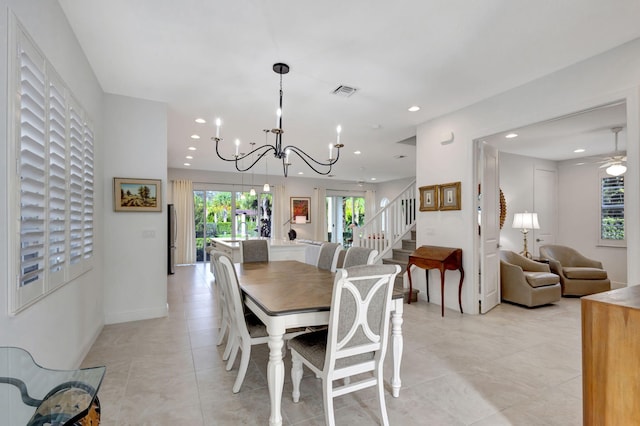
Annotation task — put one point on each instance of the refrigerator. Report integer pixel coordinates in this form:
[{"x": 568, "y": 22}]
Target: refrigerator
[{"x": 171, "y": 246}]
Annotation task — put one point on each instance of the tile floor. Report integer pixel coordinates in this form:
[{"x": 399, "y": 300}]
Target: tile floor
[{"x": 512, "y": 366}]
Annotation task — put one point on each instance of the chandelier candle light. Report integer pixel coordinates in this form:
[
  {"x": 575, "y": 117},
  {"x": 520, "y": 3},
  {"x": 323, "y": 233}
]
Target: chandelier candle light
[
  {"x": 524, "y": 222},
  {"x": 279, "y": 152}
]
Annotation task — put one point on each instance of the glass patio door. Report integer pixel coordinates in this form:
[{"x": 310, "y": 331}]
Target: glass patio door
[
  {"x": 230, "y": 214},
  {"x": 342, "y": 213},
  {"x": 212, "y": 218}
]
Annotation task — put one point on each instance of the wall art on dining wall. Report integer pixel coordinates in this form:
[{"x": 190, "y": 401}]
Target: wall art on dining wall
[
  {"x": 450, "y": 196},
  {"x": 301, "y": 206},
  {"x": 137, "y": 195},
  {"x": 429, "y": 198}
]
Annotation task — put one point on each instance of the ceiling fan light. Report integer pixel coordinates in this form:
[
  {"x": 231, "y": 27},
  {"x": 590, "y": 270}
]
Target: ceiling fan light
[{"x": 616, "y": 169}]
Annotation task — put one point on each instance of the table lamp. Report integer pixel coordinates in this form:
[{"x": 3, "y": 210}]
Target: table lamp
[{"x": 524, "y": 222}]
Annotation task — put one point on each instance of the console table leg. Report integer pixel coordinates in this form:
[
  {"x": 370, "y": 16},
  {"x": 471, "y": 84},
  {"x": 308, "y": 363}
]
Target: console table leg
[
  {"x": 442, "y": 291},
  {"x": 426, "y": 273},
  {"x": 410, "y": 283},
  {"x": 460, "y": 290}
]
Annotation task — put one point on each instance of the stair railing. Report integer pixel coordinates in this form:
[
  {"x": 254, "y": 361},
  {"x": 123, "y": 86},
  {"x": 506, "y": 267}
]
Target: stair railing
[{"x": 389, "y": 225}]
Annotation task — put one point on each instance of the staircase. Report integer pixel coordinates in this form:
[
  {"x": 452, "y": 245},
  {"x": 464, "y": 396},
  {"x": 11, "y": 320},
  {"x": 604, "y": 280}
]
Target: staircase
[{"x": 401, "y": 257}]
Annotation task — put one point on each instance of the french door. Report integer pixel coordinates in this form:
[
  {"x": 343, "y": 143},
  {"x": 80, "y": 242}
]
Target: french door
[
  {"x": 230, "y": 214},
  {"x": 343, "y": 212}
]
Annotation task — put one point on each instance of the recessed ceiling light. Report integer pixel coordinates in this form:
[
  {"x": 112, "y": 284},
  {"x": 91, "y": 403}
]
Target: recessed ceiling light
[
  {"x": 511, "y": 135},
  {"x": 200, "y": 120},
  {"x": 187, "y": 164},
  {"x": 414, "y": 108},
  {"x": 579, "y": 150},
  {"x": 357, "y": 152},
  {"x": 189, "y": 157},
  {"x": 579, "y": 164},
  {"x": 195, "y": 136},
  {"x": 300, "y": 173},
  {"x": 373, "y": 178},
  {"x": 192, "y": 148}
]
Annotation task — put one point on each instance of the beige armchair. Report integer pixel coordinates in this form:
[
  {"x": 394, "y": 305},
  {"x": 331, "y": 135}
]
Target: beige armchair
[
  {"x": 579, "y": 275},
  {"x": 526, "y": 282}
]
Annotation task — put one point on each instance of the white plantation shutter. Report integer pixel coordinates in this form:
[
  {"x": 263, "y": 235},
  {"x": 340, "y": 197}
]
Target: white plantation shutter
[
  {"x": 31, "y": 171},
  {"x": 57, "y": 183},
  {"x": 76, "y": 153},
  {"x": 87, "y": 202},
  {"x": 53, "y": 185}
]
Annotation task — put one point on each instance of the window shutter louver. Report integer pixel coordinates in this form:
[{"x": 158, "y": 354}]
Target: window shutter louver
[
  {"x": 88, "y": 193},
  {"x": 57, "y": 184},
  {"x": 31, "y": 171},
  {"x": 76, "y": 153}
]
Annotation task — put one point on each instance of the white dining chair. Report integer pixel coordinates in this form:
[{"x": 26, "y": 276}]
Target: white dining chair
[
  {"x": 328, "y": 256},
  {"x": 355, "y": 341},
  {"x": 246, "y": 329},
  {"x": 254, "y": 251},
  {"x": 357, "y": 256},
  {"x": 222, "y": 304},
  {"x": 340, "y": 262}
]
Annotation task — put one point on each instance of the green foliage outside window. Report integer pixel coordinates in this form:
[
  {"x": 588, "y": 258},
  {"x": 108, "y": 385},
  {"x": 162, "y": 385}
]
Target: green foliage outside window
[{"x": 612, "y": 208}]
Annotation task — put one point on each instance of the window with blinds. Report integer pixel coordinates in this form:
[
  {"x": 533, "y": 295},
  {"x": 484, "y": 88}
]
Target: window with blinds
[
  {"x": 612, "y": 209},
  {"x": 53, "y": 180}
]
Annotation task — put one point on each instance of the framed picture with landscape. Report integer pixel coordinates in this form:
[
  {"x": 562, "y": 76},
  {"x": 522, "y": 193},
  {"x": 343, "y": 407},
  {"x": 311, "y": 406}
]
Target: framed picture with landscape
[
  {"x": 137, "y": 195},
  {"x": 301, "y": 206}
]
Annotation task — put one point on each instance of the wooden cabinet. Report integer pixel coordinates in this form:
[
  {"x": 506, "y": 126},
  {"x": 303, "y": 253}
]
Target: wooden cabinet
[{"x": 611, "y": 357}]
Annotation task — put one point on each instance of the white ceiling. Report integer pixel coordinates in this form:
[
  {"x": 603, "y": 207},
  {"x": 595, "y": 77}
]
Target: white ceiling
[
  {"x": 557, "y": 139},
  {"x": 214, "y": 59}
]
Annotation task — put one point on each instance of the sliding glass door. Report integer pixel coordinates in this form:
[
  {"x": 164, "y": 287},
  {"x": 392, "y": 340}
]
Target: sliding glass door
[
  {"x": 212, "y": 218},
  {"x": 343, "y": 213},
  {"x": 230, "y": 214}
]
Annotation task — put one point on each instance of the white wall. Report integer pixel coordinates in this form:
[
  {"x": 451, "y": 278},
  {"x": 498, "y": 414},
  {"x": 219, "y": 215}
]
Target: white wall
[
  {"x": 517, "y": 183},
  {"x": 60, "y": 329},
  {"x": 135, "y": 244},
  {"x": 391, "y": 189},
  {"x": 579, "y": 221},
  {"x": 607, "y": 77}
]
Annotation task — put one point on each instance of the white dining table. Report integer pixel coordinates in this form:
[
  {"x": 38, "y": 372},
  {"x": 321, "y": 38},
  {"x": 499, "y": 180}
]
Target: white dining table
[{"x": 291, "y": 294}]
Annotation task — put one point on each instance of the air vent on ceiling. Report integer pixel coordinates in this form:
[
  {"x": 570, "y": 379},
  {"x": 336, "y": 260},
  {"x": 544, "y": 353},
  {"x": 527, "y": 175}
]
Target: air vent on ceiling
[{"x": 344, "y": 91}]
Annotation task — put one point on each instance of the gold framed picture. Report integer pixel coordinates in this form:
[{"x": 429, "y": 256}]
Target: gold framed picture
[
  {"x": 137, "y": 195},
  {"x": 428, "y": 198},
  {"x": 450, "y": 196}
]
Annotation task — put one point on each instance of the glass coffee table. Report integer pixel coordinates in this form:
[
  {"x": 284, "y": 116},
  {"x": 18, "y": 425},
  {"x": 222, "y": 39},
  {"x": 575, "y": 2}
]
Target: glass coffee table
[{"x": 35, "y": 396}]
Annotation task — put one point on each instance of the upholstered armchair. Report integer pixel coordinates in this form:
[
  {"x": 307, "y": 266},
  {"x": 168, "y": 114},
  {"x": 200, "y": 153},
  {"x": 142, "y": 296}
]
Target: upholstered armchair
[
  {"x": 527, "y": 282},
  {"x": 579, "y": 275}
]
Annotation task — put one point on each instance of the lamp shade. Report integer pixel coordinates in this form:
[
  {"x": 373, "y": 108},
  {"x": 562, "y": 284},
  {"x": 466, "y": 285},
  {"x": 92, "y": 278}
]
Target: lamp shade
[
  {"x": 525, "y": 221},
  {"x": 301, "y": 219},
  {"x": 616, "y": 169}
]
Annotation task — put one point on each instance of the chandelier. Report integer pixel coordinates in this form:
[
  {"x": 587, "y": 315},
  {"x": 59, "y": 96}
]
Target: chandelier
[{"x": 280, "y": 152}]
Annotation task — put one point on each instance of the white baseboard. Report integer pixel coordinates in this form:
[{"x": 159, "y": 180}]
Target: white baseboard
[{"x": 118, "y": 317}]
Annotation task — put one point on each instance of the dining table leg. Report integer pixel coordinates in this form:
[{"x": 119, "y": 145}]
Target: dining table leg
[
  {"x": 396, "y": 338},
  {"x": 275, "y": 370}
]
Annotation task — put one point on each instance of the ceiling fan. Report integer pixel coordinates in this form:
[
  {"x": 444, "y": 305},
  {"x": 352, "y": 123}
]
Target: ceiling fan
[{"x": 615, "y": 164}]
